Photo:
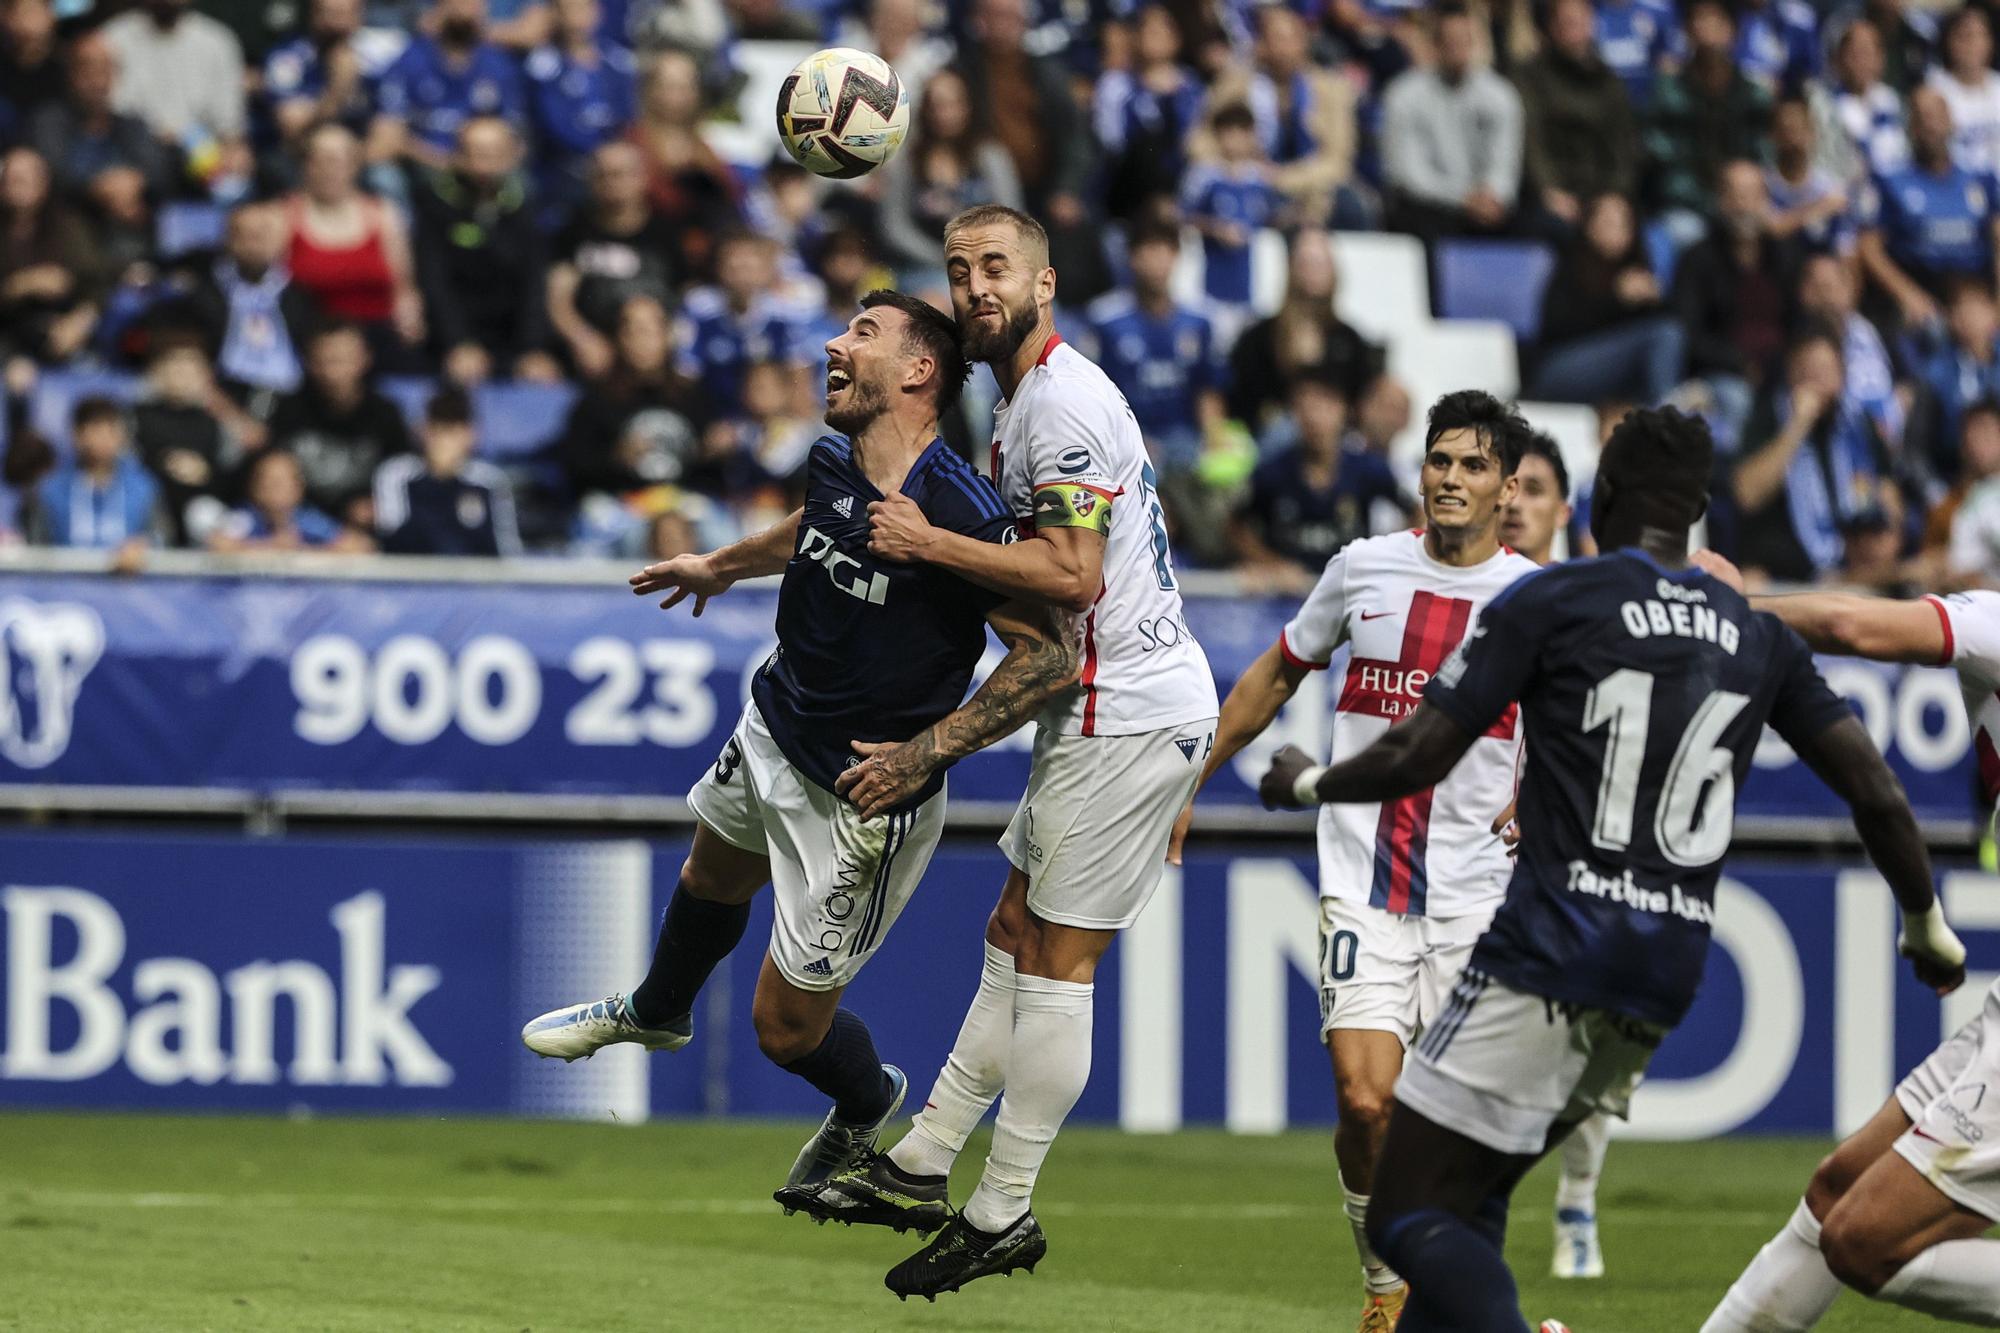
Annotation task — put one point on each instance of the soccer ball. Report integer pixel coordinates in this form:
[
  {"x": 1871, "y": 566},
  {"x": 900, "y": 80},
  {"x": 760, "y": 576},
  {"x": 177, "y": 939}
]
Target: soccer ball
[{"x": 842, "y": 112}]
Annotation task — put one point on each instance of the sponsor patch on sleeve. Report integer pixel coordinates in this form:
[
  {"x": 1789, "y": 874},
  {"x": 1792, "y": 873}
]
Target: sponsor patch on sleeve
[{"x": 1069, "y": 505}]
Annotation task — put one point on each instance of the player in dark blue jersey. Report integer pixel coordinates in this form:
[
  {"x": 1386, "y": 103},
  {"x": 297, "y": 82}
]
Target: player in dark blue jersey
[
  {"x": 1643, "y": 684},
  {"x": 869, "y": 651}
]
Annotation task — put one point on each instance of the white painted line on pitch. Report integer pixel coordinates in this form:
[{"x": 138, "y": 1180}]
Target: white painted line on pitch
[{"x": 505, "y": 1203}]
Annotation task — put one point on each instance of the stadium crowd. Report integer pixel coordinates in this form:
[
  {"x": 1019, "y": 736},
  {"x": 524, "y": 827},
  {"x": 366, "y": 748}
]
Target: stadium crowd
[{"x": 492, "y": 275}]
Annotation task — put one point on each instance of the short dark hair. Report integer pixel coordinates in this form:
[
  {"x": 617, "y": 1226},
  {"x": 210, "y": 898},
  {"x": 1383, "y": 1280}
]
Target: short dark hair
[
  {"x": 932, "y": 333},
  {"x": 1317, "y": 380},
  {"x": 1154, "y": 231},
  {"x": 449, "y": 406},
  {"x": 1540, "y": 444},
  {"x": 1985, "y": 406},
  {"x": 1233, "y": 116},
  {"x": 1659, "y": 461},
  {"x": 1499, "y": 427},
  {"x": 1814, "y": 331},
  {"x": 94, "y": 408},
  {"x": 334, "y": 328}
]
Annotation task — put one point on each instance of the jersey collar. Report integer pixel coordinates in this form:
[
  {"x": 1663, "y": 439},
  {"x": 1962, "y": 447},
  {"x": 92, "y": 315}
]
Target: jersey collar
[{"x": 1048, "y": 349}]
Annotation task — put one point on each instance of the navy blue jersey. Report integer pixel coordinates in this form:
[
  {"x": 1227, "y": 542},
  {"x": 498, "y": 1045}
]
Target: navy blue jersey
[
  {"x": 1643, "y": 692},
  {"x": 871, "y": 649}
]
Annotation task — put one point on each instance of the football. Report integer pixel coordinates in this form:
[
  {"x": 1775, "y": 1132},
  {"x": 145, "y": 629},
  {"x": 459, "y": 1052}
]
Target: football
[{"x": 842, "y": 112}]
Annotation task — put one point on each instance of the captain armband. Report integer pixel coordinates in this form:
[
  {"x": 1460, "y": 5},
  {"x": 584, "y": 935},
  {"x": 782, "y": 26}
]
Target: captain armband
[{"x": 1068, "y": 504}]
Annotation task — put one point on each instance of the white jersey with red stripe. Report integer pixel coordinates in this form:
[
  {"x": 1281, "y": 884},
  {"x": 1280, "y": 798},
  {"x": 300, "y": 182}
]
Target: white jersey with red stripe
[
  {"x": 1402, "y": 613},
  {"x": 1067, "y": 426},
  {"x": 1972, "y": 649}
]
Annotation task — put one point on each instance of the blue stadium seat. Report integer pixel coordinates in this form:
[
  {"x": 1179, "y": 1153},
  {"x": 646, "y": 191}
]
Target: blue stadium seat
[
  {"x": 185, "y": 227},
  {"x": 57, "y": 393},
  {"x": 1499, "y": 280},
  {"x": 410, "y": 394},
  {"x": 1661, "y": 252},
  {"x": 519, "y": 417}
]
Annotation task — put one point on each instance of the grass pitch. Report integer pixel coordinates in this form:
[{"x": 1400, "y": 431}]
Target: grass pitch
[{"x": 127, "y": 1222}]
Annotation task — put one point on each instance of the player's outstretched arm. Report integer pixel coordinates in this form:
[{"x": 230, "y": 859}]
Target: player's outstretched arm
[
  {"x": 1254, "y": 700},
  {"x": 1409, "y": 757},
  {"x": 1041, "y": 662},
  {"x": 704, "y": 576},
  {"x": 1847, "y": 761},
  {"x": 1871, "y": 627},
  {"x": 1064, "y": 567}
]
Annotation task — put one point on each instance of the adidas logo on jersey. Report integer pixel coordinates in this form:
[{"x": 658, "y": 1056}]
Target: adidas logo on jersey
[
  {"x": 819, "y": 967},
  {"x": 844, "y": 506},
  {"x": 1186, "y": 747}
]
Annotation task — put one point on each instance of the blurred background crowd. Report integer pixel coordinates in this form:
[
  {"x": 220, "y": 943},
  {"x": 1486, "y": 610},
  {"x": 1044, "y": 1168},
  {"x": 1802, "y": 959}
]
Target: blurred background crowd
[{"x": 483, "y": 277}]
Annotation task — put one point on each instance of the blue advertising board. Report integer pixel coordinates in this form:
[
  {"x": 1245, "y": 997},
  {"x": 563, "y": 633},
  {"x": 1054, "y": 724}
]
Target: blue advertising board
[
  {"x": 382, "y": 974},
  {"x": 301, "y": 685}
]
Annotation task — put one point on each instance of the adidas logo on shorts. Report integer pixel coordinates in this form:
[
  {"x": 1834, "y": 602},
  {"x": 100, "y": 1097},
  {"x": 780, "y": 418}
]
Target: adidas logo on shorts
[
  {"x": 844, "y": 506},
  {"x": 819, "y": 967}
]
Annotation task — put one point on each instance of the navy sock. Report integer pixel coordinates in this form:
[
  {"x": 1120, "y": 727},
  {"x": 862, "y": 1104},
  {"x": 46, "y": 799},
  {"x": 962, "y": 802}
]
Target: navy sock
[
  {"x": 846, "y": 1068},
  {"x": 1490, "y": 1221},
  {"x": 1459, "y": 1283},
  {"x": 695, "y": 935}
]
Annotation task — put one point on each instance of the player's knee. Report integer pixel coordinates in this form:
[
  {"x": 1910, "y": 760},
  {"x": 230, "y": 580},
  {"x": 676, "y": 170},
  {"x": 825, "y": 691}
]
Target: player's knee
[
  {"x": 785, "y": 1038},
  {"x": 1831, "y": 1180},
  {"x": 1004, "y": 928},
  {"x": 698, "y": 881},
  {"x": 1854, "y": 1251},
  {"x": 1366, "y": 1108}
]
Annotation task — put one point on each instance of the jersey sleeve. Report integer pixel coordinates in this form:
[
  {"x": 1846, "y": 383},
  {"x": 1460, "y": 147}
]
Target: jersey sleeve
[
  {"x": 1492, "y": 665},
  {"x": 1804, "y": 705},
  {"x": 1971, "y": 623},
  {"x": 1320, "y": 626},
  {"x": 1072, "y": 483}
]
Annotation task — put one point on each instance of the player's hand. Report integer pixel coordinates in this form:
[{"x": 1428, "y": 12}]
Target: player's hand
[
  {"x": 890, "y": 772},
  {"x": 683, "y": 576},
  {"x": 1507, "y": 830},
  {"x": 1719, "y": 566},
  {"x": 898, "y": 530},
  {"x": 1178, "y": 838},
  {"x": 1280, "y": 780},
  {"x": 1935, "y": 952}
]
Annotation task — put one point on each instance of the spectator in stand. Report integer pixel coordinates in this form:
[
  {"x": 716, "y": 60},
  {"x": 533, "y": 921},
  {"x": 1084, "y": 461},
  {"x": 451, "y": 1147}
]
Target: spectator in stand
[
  {"x": 450, "y": 73},
  {"x": 338, "y": 427},
  {"x": 1962, "y": 537},
  {"x": 331, "y": 72},
  {"x": 1605, "y": 331},
  {"x": 1307, "y": 501},
  {"x": 692, "y": 188},
  {"x": 444, "y": 501},
  {"x": 1733, "y": 296},
  {"x": 1383, "y": 414},
  {"x": 1027, "y": 101},
  {"x": 103, "y": 499},
  {"x": 1807, "y": 201},
  {"x": 1777, "y": 43},
  {"x": 1705, "y": 114},
  {"x": 350, "y": 251},
  {"x": 1819, "y": 473},
  {"x": 51, "y": 275},
  {"x": 1971, "y": 89},
  {"x": 1162, "y": 356},
  {"x": 1927, "y": 223},
  {"x": 277, "y": 517},
  {"x": 1909, "y": 38},
  {"x": 1144, "y": 115},
  {"x": 1870, "y": 112},
  {"x": 950, "y": 163},
  {"x": 1827, "y": 294},
  {"x": 1306, "y": 124},
  {"x": 1451, "y": 140},
  {"x": 1304, "y": 337},
  {"x": 1580, "y": 139},
  {"x": 1228, "y": 202},
  {"x": 182, "y": 73},
  {"x": 898, "y": 31},
  {"x": 31, "y": 69},
  {"x": 843, "y": 270},
  {"x": 181, "y": 437},
  {"x": 640, "y": 423},
  {"x": 247, "y": 310},
  {"x": 583, "y": 94},
  {"x": 1637, "y": 39},
  {"x": 758, "y": 458},
  {"x": 102, "y": 157},
  {"x": 739, "y": 321},
  {"x": 482, "y": 261},
  {"x": 616, "y": 248},
  {"x": 1959, "y": 365}
]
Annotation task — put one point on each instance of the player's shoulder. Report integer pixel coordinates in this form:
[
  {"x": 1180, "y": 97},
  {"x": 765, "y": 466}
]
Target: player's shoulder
[
  {"x": 1076, "y": 390},
  {"x": 830, "y": 448},
  {"x": 1390, "y": 553},
  {"x": 953, "y": 489}
]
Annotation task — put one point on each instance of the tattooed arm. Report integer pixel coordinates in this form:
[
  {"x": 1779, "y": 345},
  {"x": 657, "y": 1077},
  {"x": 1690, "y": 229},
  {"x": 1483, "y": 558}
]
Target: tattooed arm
[{"x": 1041, "y": 662}]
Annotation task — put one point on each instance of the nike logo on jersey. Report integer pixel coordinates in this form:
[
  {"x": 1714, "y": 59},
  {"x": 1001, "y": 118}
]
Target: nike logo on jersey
[{"x": 1376, "y": 615}]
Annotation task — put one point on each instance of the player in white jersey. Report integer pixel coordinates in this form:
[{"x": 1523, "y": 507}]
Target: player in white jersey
[
  {"x": 1406, "y": 887},
  {"x": 1115, "y": 759},
  {"x": 1898, "y": 1209}
]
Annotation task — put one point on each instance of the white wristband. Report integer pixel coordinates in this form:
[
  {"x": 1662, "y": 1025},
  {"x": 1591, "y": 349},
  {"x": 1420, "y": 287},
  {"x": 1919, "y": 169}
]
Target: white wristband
[
  {"x": 1306, "y": 789},
  {"x": 1928, "y": 933}
]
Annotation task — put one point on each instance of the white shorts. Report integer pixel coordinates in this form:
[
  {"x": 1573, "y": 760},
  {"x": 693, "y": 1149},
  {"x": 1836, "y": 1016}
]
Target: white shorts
[
  {"x": 1503, "y": 1068},
  {"x": 1091, "y": 831},
  {"x": 1387, "y": 972},
  {"x": 1953, "y": 1101},
  {"x": 838, "y": 883}
]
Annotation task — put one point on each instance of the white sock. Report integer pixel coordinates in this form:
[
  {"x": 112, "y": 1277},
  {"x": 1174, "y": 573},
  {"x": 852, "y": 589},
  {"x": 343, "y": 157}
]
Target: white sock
[
  {"x": 1958, "y": 1280},
  {"x": 1051, "y": 1065},
  {"x": 1381, "y": 1279},
  {"x": 1582, "y": 1163},
  {"x": 1787, "y": 1287},
  {"x": 972, "y": 1076}
]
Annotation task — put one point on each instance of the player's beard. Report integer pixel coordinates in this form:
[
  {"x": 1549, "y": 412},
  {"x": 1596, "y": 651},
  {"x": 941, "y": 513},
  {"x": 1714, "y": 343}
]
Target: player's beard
[
  {"x": 1000, "y": 344},
  {"x": 864, "y": 402}
]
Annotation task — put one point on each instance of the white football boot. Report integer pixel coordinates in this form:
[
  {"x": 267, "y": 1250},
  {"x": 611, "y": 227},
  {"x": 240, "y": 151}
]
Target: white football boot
[{"x": 582, "y": 1030}]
